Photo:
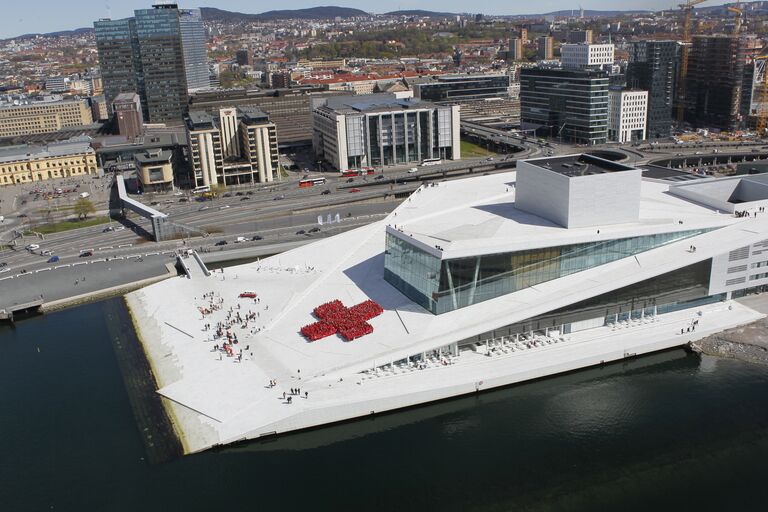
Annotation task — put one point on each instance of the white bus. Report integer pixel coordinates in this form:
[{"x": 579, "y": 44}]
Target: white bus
[{"x": 431, "y": 161}]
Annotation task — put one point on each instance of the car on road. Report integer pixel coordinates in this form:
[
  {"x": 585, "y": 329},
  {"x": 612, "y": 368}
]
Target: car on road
[
  {"x": 413, "y": 170},
  {"x": 3, "y": 264},
  {"x": 46, "y": 252},
  {"x": 223, "y": 207},
  {"x": 354, "y": 190},
  {"x": 250, "y": 193},
  {"x": 53, "y": 259},
  {"x": 314, "y": 230},
  {"x": 203, "y": 208},
  {"x": 350, "y": 180},
  {"x": 119, "y": 228},
  {"x": 301, "y": 232},
  {"x": 279, "y": 198},
  {"x": 86, "y": 254},
  {"x": 239, "y": 193},
  {"x": 154, "y": 203},
  {"x": 325, "y": 192},
  {"x": 244, "y": 198},
  {"x": 256, "y": 237},
  {"x": 183, "y": 200},
  {"x": 107, "y": 229},
  {"x": 227, "y": 195},
  {"x": 240, "y": 239},
  {"x": 220, "y": 243},
  {"x": 23, "y": 215},
  {"x": 32, "y": 247},
  {"x": 379, "y": 177}
]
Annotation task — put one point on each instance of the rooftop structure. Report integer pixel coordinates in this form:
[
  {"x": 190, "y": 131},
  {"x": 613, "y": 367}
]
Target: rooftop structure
[
  {"x": 46, "y": 115},
  {"x": 459, "y": 290},
  {"x": 25, "y": 163}
]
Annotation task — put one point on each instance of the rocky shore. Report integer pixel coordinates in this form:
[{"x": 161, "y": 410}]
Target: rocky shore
[{"x": 748, "y": 343}]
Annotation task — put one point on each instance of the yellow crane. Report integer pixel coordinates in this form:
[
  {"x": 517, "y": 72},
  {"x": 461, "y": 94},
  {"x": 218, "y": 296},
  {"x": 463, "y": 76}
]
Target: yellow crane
[
  {"x": 738, "y": 19},
  {"x": 761, "y": 113},
  {"x": 687, "y": 8}
]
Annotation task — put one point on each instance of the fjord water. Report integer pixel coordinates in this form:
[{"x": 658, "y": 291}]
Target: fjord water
[{"x": 670, "y": 430}]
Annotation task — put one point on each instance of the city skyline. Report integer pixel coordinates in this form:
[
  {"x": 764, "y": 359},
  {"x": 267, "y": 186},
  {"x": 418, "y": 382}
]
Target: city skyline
[{"x": 55, "y": 16}]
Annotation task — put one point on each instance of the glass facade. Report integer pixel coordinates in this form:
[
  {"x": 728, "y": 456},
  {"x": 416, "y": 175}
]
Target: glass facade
[
  {"x": 119, "y": 58},
  {"x": 446, "y": 285},
  {"x": 653, "y": 67},
  {"x": 465, "y": 88},
  {"x": 193, "y": 39},
  {"x": 680, "y": 289}
]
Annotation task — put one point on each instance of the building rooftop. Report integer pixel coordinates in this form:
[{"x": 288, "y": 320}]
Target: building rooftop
[
  {"x": 154, "y": 156},
  {"x": 74, "y": 146},
  {"x": 579, "y": 165},
  {"x": 382, "y": 102}
]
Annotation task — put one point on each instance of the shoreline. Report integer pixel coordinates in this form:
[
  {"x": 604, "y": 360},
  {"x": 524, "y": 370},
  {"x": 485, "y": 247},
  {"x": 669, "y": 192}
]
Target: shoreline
[{"x": 742, "y": 343}]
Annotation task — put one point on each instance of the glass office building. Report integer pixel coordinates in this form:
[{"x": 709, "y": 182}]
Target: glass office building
[
  {"x": 449, "y": 284},
  {"x": 193, "y": 40},
  {"x": 571, "y": 105},
  {"x": 653, "y": 67},
  {"x": 464, "y": 88},
  {"x": 119, "y": 58},
  {"x": 146, "y": 55}
]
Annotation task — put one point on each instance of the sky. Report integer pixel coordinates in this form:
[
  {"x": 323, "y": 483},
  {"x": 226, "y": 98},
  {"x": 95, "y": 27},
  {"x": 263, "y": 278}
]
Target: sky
[{"x": 43, "y": 16}]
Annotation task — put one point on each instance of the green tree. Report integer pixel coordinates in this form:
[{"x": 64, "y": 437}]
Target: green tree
[{"x": 83, "y": 207}]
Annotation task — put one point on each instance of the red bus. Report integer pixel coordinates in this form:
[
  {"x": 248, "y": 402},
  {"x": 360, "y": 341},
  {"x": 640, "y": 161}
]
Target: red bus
[
  {"x": 311, "y": 182},
  {"x": 351, "y": 173}
]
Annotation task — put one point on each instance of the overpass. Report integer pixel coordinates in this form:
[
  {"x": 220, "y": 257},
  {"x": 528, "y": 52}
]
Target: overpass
[{"x": 162, "y": 227}]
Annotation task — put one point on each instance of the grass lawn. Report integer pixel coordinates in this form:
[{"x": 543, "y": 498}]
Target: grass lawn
[
  {"x": 470, "y": 150},
  {"x": 58, "y": 227}
]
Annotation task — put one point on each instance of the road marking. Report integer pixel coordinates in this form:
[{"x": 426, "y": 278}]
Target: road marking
[
  {"x": 42, "y": 270},
  {"x": 61, "y": 266},
  {"x": 152, "y": 254},
  {"x": 108, "y": 247},
  {"x": 124, "y": 245},
  {"x": 102, "y": 259},
  {"x": 80, "y": 263},
  {"x": 4, "y": 278},
  {"x": 19, "y": 275}
]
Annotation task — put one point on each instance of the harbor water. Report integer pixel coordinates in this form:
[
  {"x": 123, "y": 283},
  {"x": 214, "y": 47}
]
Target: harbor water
[{"x": 667, "y": 431}]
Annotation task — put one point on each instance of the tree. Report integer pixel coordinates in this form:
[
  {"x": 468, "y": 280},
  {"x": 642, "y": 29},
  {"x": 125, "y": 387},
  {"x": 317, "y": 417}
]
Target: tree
[{"x": 83, "y": 207}]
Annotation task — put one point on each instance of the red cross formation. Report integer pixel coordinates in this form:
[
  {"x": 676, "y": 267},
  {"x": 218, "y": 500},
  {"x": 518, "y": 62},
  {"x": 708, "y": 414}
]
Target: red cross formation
[{"x": 335, "y": 318}]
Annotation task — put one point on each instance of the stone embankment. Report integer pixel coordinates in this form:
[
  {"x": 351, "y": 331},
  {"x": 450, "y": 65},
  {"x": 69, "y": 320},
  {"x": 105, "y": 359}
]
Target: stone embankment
[{"x": 747, "y": 343}]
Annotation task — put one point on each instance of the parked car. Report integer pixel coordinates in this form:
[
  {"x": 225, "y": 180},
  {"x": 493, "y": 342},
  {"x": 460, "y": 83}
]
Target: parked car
[{"x": 221, "y": 242}]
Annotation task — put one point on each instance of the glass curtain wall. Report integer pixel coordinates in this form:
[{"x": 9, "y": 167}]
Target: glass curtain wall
[{"x": 456, "y": 283}]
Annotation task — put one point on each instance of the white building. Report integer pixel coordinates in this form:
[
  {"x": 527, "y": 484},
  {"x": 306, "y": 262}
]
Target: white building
[
  {"x": 237, "y": 147},
  {"x": 568, "y": 262},
  {"x": 627, "y": 115},
  {"x": 351, "y": 132},
  {"x": 585, "y": 55}
]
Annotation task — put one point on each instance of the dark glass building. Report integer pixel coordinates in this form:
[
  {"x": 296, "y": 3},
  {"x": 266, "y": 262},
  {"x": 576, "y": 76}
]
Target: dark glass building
[
  {"x": 653, "y": 67},
  {"x": 119, "y": 57},
  {"x": 568, "y": 104},
  {"x": 146, "y": 55},
  {"x": 714, "y": 82},
  {"x": 464, "y": 88}
]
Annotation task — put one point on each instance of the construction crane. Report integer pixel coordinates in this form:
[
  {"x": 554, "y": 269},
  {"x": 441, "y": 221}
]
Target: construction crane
[
  {"x": 687, "y": 8},
  {"x": 738, "y": 19}
]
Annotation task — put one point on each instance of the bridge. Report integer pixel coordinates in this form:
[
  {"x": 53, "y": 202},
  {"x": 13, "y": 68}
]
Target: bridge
[
  {"x": 162, "y": 227},
  {"x": 8, "y": 313}
]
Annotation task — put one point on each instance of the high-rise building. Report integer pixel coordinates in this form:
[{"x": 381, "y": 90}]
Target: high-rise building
[
  {"x": 714, "y": 81},
  {"x": 119, "y": 57},
  {"x": 127, "y": 109},
  {"x": 48, "y": 115},
  {"x": 195, "y": 52},
  {"x": 244, "y": 57},
  {"x": 627, "y": 114},
  {"x": 151, "y": 55},
  {"x": 653, "y": 67},
  {"x": 162, "y": 61},
  {"x": 238, "y": 147},
  {"x": 515, "y": 50},
  {"x": 546, "y": 48},
  {"x": 569, "y": 104},
  {"x": 580, "y": 36}
]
